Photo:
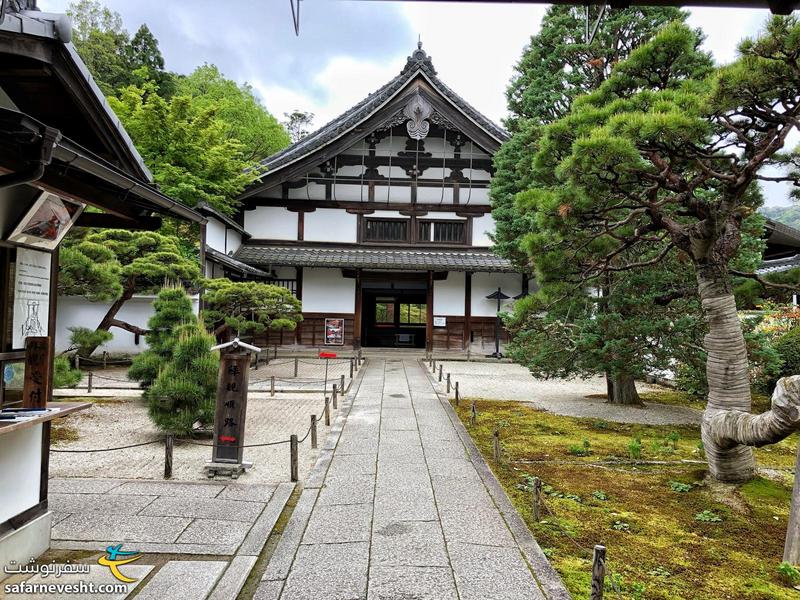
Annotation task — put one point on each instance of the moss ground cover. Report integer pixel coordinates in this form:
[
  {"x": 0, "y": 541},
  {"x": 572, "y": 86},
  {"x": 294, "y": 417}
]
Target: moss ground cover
[{"x": 641, "y": 491}]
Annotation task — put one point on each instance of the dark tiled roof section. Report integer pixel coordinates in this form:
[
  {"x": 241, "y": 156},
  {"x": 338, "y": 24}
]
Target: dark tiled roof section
[
  {"x": 418, "y": 62},
  {"x": 232, "y": 264},
  {"x": 395, "y": 259},
  {"x": 779, "y": 265}
]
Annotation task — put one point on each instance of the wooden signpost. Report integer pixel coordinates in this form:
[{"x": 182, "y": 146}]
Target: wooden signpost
[
  {"x": 231, "y": 412},
  {"x": 36, "y": 388}
]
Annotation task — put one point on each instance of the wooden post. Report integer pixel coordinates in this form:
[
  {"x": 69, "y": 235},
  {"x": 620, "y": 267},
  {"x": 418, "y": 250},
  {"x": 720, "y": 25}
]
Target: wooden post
[
  {"x": 341, "y": 385},
  {"x": 105, "y": 360},
  {"x": 78, "y": 361},
  {"x": 433, "y": 365},
  {"x": 598, "y": 572},
  {"x": 293, "y": 457},
  {"x": 440, "y": 372},
  {"x": 89, "y": 387},
  {"x": 448, "y": 383},
  {"x": 334, "y": 395},
  {"x": 231, "y": 409},
  {"x": 327, "y": 413},
  {"x": 296, "y": 361},
  {"x": 254, "y": 364},
  {"x": 272, "y": 385},
  {"x": 275, "y": 356},
  {"x": 791, "y": 548},
  {"x": 314, "y": 431},
  {"x": 457, "y": 398},
  {"x": 473, "y": 417},
  {"x": 168, "y": 444},
  {"x": 38, "y": 374},
  {"x": 496, "y": 445},
  {"x": 351, "y": 367},
  {"x": 537, "y": 499}
]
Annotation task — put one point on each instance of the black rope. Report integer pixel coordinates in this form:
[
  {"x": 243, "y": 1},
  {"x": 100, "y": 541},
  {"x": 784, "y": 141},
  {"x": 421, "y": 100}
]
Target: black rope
[
  {"x": 229, "y": 446},
  {"x": 108, "y": 449}
]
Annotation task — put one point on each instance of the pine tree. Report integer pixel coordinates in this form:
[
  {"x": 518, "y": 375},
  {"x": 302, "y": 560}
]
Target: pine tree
[
  {"x": 172, "y": 314},
  {"x": 184, "y": 392}
]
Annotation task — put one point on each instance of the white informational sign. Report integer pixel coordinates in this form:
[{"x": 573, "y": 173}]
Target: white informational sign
[
  {"x": 440, "y": 321},
  {"x": 31, "y": 295}
]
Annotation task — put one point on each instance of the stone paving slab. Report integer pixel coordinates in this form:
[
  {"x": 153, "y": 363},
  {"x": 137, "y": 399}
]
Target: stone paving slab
[
  {"x": 97, "y": 575},
  {"x": 183, "y": 580},
  {"x": 106, "y": 527},
  {"x": 233, "y": 580},
  {"x": 220, "y": 532},
  {"x": 119, "y": 504},
  {"x": 82, "y": 486},
  {"x": 261, "y": 530},
  {"x": 434, "y": 527},
  {"x": 158, "y": 488},
  {"x": 250, "y": 492},
  {"x": 204, "y": 508}
]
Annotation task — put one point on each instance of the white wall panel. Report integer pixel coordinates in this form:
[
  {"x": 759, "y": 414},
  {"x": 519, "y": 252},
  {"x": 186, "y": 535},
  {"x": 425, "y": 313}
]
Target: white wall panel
[
  {"x": 330, "y": 225},
  {"x": 271, "y": 223},
  {"x": 481, "y": 228},
  {"x": 327, "y": 291},
  {"x": 484, "y": 284},
  {"x": 448, "y": 295},
  {"x": 215, "y": 234}
]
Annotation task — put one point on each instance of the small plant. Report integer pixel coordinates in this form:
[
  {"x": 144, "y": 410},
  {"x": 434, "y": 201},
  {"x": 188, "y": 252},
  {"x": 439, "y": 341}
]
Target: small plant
[
  {"x": 602, "y": 425},
  {"x": 548, "y": 552},
  {"x": 789, "y": 573},
  {"x": 64, "y": 376},
  {"x": 635, "y": 448},
  {"x": 708, "y": 516},
  {"x": 573, "y": 497},
  {"x": 637, "y": 590},
  {"x": 677, "y": 486},
  {"x": 599, "y": 495},
  {"x": 503, "y": 423},
  {"x": 673, "y": 438},
  {"x": 659, "y": 571},
  {"x": 585, "y": 449},
  {"x": 621, "y": 526}
]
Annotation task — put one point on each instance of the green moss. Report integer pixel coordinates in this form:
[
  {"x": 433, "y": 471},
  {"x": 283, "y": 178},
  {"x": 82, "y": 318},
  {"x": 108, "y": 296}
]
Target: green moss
[{"x": 663, "y": 549}]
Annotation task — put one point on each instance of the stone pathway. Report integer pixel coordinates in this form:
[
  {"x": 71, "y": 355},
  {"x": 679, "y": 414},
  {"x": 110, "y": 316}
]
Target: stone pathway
[{"x": 401, "y": 505}]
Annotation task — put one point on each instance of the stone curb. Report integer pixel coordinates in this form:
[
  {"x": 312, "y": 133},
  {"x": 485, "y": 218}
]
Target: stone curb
[{"x": 548, "y": 579}]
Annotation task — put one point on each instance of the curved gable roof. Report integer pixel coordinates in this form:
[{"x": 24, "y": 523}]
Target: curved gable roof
[{"x": 419, "y": 64}]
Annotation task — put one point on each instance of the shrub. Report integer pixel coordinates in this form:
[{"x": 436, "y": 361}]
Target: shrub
[
  {"x": 64, "y": 376},
  {"x": 708, "y": 516},
  {"x": 677, "y": 486},
  {"x": 184, "y": 391},
  {"x": 788, "y": 348},
  {"x": 789, "y": 573},
  {"x": 85, "y": 340},
  {"x": 635, "y": 448},
  {"x": 173, "y": 312}
]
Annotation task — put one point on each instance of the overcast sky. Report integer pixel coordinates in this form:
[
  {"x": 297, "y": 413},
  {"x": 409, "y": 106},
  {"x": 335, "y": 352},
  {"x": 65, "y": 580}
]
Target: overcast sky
[{"x": 347, "y": 49}]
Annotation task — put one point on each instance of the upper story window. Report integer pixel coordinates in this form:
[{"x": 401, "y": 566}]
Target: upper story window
[
  {"x": 445, "y": 232},
  {"x": 415, "y": 231},
  {"x": 386, "y": 230}
]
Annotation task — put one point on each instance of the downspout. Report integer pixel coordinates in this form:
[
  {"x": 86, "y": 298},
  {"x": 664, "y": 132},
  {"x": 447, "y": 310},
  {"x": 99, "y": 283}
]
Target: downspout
[{"x": 50, "y": 137}]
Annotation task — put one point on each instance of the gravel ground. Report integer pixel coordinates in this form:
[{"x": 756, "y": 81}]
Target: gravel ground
[
  {"x": 504, "y": 381},
  {"x": 121, "y": 422}
]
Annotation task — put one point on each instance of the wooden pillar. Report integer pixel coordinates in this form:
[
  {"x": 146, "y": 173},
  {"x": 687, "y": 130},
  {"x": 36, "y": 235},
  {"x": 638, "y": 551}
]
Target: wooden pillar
[
  {"x": 298, "y": 292},
  {"x": 357, "y": 315},
  {"x": 51, "y": 320},
  {"x": 429, "y": 314},
  {"x": 301, "y": 224},
  {"x": 525, "y": 284},
  {"x": 38, "y": 372},
  {"x": 467, "y": 309}
]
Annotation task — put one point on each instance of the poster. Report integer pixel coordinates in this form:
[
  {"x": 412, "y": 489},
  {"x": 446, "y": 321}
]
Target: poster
[
  {"x": 440, "y": 321},
  {"x": 31, "y": 295},
  {"x": 47, "y": 222},
  {"x": 334, "y": 332}
]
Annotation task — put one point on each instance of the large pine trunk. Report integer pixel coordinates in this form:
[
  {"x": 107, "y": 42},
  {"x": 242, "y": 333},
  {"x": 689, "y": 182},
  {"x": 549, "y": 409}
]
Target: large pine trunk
[
  {"x": 622, "y": 389},
  {"x": 109, "y": 319},
  {"x": 727, "y": 373}
]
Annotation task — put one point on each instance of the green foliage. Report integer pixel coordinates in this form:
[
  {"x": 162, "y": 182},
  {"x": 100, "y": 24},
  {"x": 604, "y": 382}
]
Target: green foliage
[
  {"x": 788, "y": 349},
  {"x": 244, "y": 117},
  {"x": 184, "y": 391},
  {"x": 635, "y": 448},
  {"x": 64, "y": 376},
  {"x": 186, "y": 145},
  {"x": 599, "y": 495},
  {"x": 789, "y": 573},
  {"x": 249, "y": 306},
  {"x": 86, "y": 340},
  {"x": 172, "y": 315},
  {"x": 621, "y": 526},
  {"x": 708, "y": 516},
  {"x": 677, "y": 486},
  {"x": 298, "y": 124},
  {"x": 92, "y": 272}
]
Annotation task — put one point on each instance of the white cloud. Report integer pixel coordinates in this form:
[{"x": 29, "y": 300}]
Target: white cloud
[{"x": 726, "y": 27}]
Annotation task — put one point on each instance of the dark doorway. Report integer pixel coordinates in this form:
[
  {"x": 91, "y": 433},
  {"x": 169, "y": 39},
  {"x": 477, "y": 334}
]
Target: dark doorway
[{"x": 394, "y": 318}]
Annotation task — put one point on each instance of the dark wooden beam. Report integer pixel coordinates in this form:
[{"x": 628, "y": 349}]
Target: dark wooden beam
[
  {"x": 429, "y": 314},
  {"x": 106, "y": 221},
  {"x": 356, "y": 206},
  {"x": 358, "y": 308},
  {"x": 467, "y": 309}
]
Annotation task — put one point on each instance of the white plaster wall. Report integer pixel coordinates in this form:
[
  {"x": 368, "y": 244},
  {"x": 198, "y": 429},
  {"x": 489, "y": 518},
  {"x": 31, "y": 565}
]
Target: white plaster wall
[
  {"x": 484, "y": 284},
  {"x": 215, "y": 234},
  {"x": 330, "y": 225},
  {"x": 73, "y": 311},
  {"x": 271, "y": 223},
  {"x": 234, "y": 241},
  {"x": 327, "y": 291},
  {"x": 448, "y": 295},
  {"x": 481, "y": 228},
  {"x": 312, "y": 191}
]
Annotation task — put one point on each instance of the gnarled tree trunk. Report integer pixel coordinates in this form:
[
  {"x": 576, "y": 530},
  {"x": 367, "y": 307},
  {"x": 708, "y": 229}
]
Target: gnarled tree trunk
[
  {"x": 728, "y": 378},
  {"x": 622, "y": 389}
]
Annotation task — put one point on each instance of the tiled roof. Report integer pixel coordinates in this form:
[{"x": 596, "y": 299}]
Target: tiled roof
[
  {"x": 206, "y": 209},
  {"x": 418, "y": 62},
  {"x": 779, "y": 265},
  {"x": 232, "y": 264},
  {"x": 394, "y": 259}
]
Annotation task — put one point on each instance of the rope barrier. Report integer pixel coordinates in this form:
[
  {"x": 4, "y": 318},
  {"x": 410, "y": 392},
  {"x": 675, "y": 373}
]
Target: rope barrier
[
  {"x": 107, "y": 449},
  {"x": 228, "y": 446}
]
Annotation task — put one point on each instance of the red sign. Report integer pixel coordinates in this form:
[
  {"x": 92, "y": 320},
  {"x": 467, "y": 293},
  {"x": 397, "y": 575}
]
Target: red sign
[{"x": 327, "y": 354}]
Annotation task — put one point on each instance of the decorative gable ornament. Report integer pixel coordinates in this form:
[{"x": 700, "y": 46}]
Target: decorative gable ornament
[{"x": 417, "y": 111}]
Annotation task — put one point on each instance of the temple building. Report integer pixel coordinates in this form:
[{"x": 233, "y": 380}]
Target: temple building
[{"x": 379, "y": 222}]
